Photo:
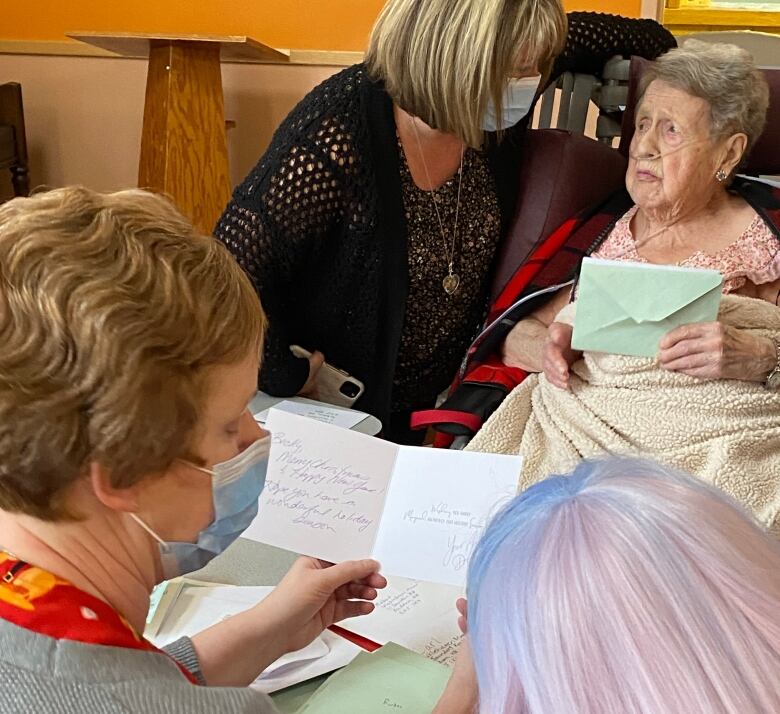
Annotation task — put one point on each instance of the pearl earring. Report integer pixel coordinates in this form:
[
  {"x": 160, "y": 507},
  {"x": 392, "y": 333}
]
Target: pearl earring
[{"x": 720, "y": 175}]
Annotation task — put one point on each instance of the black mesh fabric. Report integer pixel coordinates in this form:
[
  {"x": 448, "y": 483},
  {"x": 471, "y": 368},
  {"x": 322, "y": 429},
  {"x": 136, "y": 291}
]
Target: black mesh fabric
[
  {"x": 317, "y": 223},
  {"x": 301, "y": 225},
  {"x": 596, "y": 37}
]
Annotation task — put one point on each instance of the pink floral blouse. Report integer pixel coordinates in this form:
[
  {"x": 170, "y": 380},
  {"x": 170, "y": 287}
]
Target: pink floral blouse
[{"x": 754, "y": 256}]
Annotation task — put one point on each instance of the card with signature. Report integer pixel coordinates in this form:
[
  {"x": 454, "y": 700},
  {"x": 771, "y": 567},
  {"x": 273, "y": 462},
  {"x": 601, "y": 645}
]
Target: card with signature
[{"x": 337, "y": 495}]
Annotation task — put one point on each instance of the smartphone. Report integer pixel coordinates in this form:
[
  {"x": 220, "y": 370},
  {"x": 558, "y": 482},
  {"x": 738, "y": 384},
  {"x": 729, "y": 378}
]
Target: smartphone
[{"x": 334, "y": 385}]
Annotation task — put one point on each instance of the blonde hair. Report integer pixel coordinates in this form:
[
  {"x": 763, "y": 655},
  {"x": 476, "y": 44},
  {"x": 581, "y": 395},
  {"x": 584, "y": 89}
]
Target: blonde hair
[
  {"x": 443, "y": 60},
  {"x": 723, "y": 75},
  {"x": 111, "y": 308},
  {"x": 625, "y": 587}
]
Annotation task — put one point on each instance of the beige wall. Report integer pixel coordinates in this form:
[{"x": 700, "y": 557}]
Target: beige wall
[{"x": 83, "y": 115}]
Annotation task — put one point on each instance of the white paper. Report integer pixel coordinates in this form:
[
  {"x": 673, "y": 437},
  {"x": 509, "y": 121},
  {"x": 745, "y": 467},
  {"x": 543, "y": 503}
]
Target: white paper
[
  {"x": 340, "y": 653},
  {"x": 199, "y": 607},
  {"x": 322, "y": 497},
  {"x": 346, "y": 418},
  {"x": 437, "y": 508},
  {"x": 339, "y": 495},
  {"x": 417, "y": 615},
  {"x": 292, "y": 662}
]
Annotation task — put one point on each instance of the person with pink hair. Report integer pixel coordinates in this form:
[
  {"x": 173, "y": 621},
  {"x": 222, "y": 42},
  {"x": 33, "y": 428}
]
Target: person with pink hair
[{"x": 623, "y": 588}]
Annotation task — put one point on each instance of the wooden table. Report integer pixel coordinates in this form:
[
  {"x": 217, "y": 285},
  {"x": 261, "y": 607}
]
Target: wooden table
[{"x": 183, "y": 144}]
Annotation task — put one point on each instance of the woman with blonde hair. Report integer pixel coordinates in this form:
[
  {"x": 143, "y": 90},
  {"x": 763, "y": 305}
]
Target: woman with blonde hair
[
  {"x": 370, "y": 225},
  {"x": 130, "y": 350},
  {"x": 625, "y": 587}
]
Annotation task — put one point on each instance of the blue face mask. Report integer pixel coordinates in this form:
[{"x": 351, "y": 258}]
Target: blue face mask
[
  {"x": 517, "y": 102},
  {"x": 236, "y": 488}
]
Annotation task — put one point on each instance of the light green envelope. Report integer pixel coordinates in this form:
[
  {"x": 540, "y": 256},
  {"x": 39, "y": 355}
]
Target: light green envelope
[
  {"x": 626, "y": 308},
  {"x": 392, "y": 679}
]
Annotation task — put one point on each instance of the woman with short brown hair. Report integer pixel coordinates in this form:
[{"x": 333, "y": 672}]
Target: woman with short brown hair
[{"x": 130, "y": 350}]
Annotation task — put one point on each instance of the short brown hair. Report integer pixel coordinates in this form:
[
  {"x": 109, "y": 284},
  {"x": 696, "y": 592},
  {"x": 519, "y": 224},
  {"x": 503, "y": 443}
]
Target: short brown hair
[
  {"x": 111, "y": 307},
  {"x": 443, "y": 60}
]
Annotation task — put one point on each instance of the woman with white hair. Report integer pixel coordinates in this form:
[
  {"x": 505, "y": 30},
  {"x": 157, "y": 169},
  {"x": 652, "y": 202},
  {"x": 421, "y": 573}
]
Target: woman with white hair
[
  {"x": 709, "y": 401},
  {"x": 370, "y": 225},
  {"x": 624, "y": 587},
  {"x": 700, "y": 109}
]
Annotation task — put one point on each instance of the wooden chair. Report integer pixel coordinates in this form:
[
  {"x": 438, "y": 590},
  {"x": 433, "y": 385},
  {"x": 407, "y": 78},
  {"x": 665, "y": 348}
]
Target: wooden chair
[{"x": 13, "y": 142}]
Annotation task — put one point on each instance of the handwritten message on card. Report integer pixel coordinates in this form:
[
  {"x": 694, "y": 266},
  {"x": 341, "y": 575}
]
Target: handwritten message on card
[
  {"x": 437, "y": 507},
  {"x": 324, "y": 494},
  {"x": 321, "y": 497},
  {"x": 338, "y": 495},
  {"x": 420, "y": 616}
]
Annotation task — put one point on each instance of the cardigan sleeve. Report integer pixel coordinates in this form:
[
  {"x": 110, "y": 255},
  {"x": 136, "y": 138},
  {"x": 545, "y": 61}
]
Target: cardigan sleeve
[
  {"x": 275, "y": 226},
  {"x": 183, "y": 651},
  {"x": 595, "y": 37}
]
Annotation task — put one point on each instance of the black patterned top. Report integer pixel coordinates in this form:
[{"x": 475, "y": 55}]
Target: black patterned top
[
  {"x": 318, "y": 224},
  {"x": 438, "y": 327}
]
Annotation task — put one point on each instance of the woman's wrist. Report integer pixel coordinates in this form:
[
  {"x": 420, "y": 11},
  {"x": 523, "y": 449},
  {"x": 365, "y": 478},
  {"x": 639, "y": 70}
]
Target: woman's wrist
[
  {"x": 523, "y": 345},
  {"x": 460, "y": 696},
  {"x": 274, "y": 629},
  {"x": 766, "y": 359},
  {"x": 255, "y": 633}
]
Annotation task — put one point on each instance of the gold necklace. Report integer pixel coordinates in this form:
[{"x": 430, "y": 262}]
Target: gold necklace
[{"x": 451, "y": 280}]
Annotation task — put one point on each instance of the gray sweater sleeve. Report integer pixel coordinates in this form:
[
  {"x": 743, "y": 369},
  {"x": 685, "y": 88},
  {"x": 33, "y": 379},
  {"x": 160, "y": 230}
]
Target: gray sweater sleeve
[
  {"x": 183, "y": 651},
  {"x": 44, "y": 674}
]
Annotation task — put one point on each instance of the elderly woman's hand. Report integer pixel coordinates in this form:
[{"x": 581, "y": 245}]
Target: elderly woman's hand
[
  {"x": 557, "y": 354},
  {"x": 711, "y": 350}
]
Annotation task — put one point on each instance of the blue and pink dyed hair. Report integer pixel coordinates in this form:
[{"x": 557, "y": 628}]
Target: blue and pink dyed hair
[{"x": 625, "y": 588}]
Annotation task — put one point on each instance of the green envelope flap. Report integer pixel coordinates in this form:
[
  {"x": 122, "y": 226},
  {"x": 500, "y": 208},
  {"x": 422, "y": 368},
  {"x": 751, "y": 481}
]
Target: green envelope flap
[
  {"x": 645, "y": 292},
  {"x": 392, "y": 679}
]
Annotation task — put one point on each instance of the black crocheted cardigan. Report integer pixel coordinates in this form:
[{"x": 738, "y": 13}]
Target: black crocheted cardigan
[{"x": 318, "y": 224}]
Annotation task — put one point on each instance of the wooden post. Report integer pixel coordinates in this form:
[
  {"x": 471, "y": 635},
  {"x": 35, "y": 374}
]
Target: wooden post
[{"x": 183, "y": 144}]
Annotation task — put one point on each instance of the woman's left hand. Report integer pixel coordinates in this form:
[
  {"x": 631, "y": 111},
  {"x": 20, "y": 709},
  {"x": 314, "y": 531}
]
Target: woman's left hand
[
  {"x": 312, "y": 596},
  {"x": 315, "y": 594},
  {"x": 711, "y": 350}
]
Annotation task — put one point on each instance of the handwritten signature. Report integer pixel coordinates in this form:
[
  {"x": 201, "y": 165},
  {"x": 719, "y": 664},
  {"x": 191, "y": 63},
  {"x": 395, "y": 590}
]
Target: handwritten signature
[{"x": 459, "y": 549}]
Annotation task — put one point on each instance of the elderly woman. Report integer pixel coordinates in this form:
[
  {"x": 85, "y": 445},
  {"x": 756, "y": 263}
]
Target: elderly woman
[
  {"x": 623, "y": 587},
  {"x": 128, "y": 456},
  {"x": 710, "y": 403},
  {"x": 370, "y": 225}
]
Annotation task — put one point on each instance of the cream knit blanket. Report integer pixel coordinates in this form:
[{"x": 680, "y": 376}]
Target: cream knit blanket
[{"x": 726, "y": 432}]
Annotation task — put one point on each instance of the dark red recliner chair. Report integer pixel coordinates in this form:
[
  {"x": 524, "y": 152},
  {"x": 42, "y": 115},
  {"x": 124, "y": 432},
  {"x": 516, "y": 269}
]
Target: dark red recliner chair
[{"x": 563, "y": 175}]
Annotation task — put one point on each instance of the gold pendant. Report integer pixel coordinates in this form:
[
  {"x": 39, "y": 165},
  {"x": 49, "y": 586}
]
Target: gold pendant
[{"x": 450, "y": 283}]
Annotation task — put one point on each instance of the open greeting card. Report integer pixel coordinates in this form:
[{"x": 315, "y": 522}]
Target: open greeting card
[{"x": 338, "y": 495}]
